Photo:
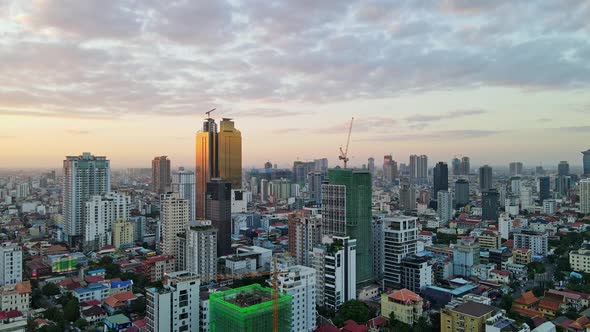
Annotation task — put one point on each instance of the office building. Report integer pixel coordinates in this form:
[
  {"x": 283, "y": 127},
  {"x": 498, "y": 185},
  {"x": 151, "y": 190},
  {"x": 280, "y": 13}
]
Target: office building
[
  {"x": 461, "y": 193},
  {"x": 300, "y": 282},
  {"x": 334, "y": 262},
  {"x": 490, "y": 205},
  {"x": 206, "y": 163},
  {"x": 174, "y": 213},
  {"x": 444, "y": 210},
  {"x": 538, "y": 242},
  {"x": 465, "y": 316},
  {"x": 390, "y": 170},
  {"x": 230, "y": 153},
  {"x": 11, "y": 260},
  {"x": 321, "y": 165},
  {"x": 405, "y": 305},
  {"x": 84, "y": 176},
  {"x": 314, "y": 185},
  {"x": 456, "y": 166},
  {"x": 371, "y": 166},
  {"x": 201, "y": 249},
  {"x": 218, "y": 210},
  {"x": 174, "y": 307},
  {"x": 184, "y": 184},
  {"x": 161, "y": 178},
  {"x": 441, "y": 178},
  {"x": 585, "y": 196},
  {"x": 347, "y": 211},
  {"x": 101, "y": 212},
  {"x": 586, "y": 162},
  {"x": 123, "y": 233},
  {"x": 485, "y": 178},
  {"x": 305, "y": 232},
  {"x": 563, "y": 169},
  {"x": 515, "y": 168},
  {"x": 300, "y": 171},
  {"x": 400, "y": 236},
  {"x": 465, "y": 258},
  {"x": 407, "y": 195},
  {"x": 416, "y": 272},
  {"x": 544, "y": 188},
  {"x": 465, "y": 166},
  {"x": 249, "y": 308}
]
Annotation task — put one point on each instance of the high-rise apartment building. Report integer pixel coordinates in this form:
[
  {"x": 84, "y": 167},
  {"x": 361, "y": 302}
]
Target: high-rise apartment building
[
  {"x": 461, "y": 193},
  {"x": 84, "y": 177},
  {"x": 526, "y": 198},
  {"x": 123, "y": 233},
  {"x": 400, "y": 235},
  {"x": 416, "y": 272},
  {"x": 334, "y": 262},
  {"x": 441, "y": 178},
  {"x": 206, "y": 166},
  {"x": 563, "y": 168},
  {"x": 184, "y": 184},
  {"x": 490, "y": 204},
  {"x": 161, "y": 179},
  {"x": 175, "y": 307},
  {"x": 371, "y": 166},
  {"x": 300, "y": 282},
  {"x": 218, "y": 210},
  {"x": 101, "y": 212},
  {"x": 201, "y": 249},
  {"x": 347, "y": 211},
  {"x": 515, "y": 168},
  {"x": 465, "y": 166},
  {"x": 585, "y": 196},
  {"x": 11, "y": 260},
  {"x": 456, "y": 166},
  {"x": 586, "y": 162},
  {"x": 515, "y": 185},
  {"x": 249, "y": 308},
  {"x": 305, "y": 232},
  {"x": 444, "y": 210},
  {"x": 407, "y": 195},
  {"x": 538, "y": 242},
  {"x": 230, "y": 153},
  {"x": 321, "y": 165},
  {"x": 390, "y": 170},
  {"x": 485, "y": 178},
  {"x": 174, "y": 213},
  {"x": 419, "y": 168},
  {"x": 314, "y": 185}
]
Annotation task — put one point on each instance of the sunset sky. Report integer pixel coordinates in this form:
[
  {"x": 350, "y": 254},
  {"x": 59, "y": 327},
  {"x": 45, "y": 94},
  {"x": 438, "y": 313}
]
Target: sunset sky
[{"x": 131, "y": 79}]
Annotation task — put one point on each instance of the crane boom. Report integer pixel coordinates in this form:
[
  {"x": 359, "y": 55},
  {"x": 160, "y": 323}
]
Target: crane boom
[
  {"x": 344, "y": 152},
  {"x": 210, "y": 111}
]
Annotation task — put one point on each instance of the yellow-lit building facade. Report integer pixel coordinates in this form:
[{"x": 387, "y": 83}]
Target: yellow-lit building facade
[
  {"x": 230, "y": 153},
  {"x": 405, "y": 305},
  {"x": 123, "y": 233},
  {"x": 522, "y": 256},
  {"x": 469, "y": 316},
  {"x": 205, "y": 164}
]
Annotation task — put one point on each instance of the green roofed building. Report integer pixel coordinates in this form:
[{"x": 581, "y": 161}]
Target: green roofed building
[
  {"x": 347, "y": 211},
  {"x": 248, "y": 309}
]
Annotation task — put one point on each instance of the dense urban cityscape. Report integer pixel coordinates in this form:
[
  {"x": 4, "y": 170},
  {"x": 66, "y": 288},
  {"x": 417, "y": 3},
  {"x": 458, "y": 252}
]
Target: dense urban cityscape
[{"x": 385, "y": 246}]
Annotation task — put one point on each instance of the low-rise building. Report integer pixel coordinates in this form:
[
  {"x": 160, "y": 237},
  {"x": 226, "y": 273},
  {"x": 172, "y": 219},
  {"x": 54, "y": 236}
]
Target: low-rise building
[
  {"x": 16, "y": 297},
  {"x": 405, "y": 305},
  {"x": 156, "y": 267},
  {"x": 97, "y": 292},
  {"x": 580, "y": 259},
  {"x": 500, "y": 323},
  {"x": 465, "y": 316},
  {"x": 522, "y": 256}
]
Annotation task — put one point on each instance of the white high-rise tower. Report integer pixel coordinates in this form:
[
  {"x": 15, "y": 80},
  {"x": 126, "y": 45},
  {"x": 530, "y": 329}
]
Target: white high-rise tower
[{"x": 183, "y": 183}]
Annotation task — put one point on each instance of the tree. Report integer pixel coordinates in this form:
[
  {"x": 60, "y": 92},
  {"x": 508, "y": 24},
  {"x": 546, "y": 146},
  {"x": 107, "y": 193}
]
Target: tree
[
  {"x": 138, "y": 306},
  {"x": 50, "y": 289},
  {"x": 72, "y": 310},
  {"x": 506, "y": 302},
  {"x": 356, "y": 310},
  {"x": 81, "y": 323},
  {"x": 398, "y": 326}
]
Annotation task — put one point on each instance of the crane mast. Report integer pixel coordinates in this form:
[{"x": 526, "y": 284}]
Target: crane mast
[{"x": 344, "y": 152}]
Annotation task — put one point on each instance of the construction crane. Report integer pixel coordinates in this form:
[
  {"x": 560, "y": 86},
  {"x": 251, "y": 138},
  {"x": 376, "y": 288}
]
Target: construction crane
[
  {"x": 210, "y": 111},
  {"x": 344, "y": 153},
  {"x": 275, "y": 287}
]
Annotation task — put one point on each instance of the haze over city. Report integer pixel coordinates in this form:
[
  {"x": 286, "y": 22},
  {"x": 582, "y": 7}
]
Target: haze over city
[{"x": 498, "y": 81}]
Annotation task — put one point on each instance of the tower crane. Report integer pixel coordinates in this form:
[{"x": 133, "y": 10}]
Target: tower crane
[
  {"x": 210, "y": 111},
  {"x": 275, "y": 287},
  {"x": 344, "y": 153}
]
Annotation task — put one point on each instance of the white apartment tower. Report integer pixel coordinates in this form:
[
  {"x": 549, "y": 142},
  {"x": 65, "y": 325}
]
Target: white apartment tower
[
  {"x": 585, "y": 196},
  {"x": 11, "y": 260},
  {"x": 174, "y": 308},
  {"x": 300, "y": 282},
  {"x": 183, "y": 183},
  {"x": 538, "y": 242},
  {"x": 101, "y": 212},
  {"x": 174, "y": 215},
  {"x": 445, "y": 206},
  {"x": 400, "y": 235},
  {"x": 305, "y": 232},
  {"x": 84, "y": 176},
  {"x": 335, "y": 263},
  {"x": 201, "y": 249}
]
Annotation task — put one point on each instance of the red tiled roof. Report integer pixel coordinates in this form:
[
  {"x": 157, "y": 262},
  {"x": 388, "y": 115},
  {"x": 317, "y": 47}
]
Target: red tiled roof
[
  {"x": 527, "y": 298},
  {"x": 549, "y": 305},
  {"x": 428, "y": 233},
  {"x": 405, "y": 295},
  {"x": 501, "y": 272},
  {"x": 125, "y": 296},
  {"x": 352, "y": 326},
  {"x": 528, "y": 312}
]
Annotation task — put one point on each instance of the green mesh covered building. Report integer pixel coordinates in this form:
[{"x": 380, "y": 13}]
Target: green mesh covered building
[
  {"x": 248, "y": 309},
  {"x": 347, "y": 211}
]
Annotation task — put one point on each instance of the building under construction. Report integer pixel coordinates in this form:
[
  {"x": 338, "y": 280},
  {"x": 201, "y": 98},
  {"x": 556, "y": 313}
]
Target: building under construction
[{"x": 249, "y": 309}]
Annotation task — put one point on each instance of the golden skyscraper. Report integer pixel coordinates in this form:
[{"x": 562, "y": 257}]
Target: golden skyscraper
[
  {"x": 206, "y": 166},
  {"x": 230, "y": 153}
]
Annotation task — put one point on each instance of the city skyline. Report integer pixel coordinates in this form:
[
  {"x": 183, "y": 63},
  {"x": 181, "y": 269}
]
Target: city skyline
[{"x": 434, "y": 78}]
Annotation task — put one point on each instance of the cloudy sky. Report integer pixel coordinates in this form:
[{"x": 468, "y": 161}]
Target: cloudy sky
[{"x": 131, "y": 79}]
